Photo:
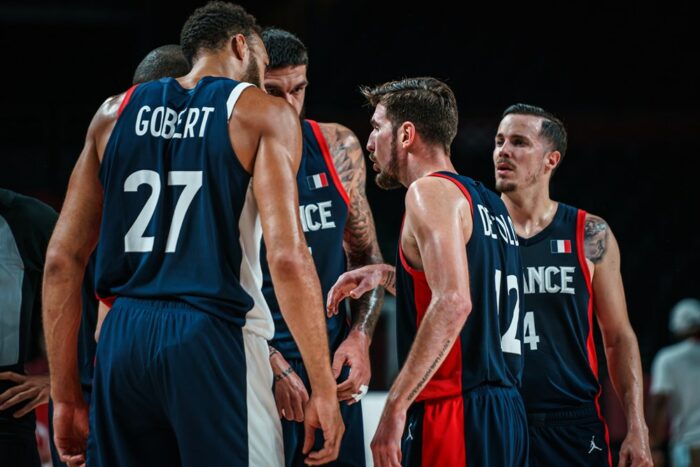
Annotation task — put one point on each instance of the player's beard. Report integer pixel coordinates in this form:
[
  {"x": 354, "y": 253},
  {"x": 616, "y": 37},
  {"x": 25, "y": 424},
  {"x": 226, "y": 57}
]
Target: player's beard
[
  {"x": 505, "y": 186},
  {"x": 387, "y": 178},
  {"x": 252, "y": 73}
]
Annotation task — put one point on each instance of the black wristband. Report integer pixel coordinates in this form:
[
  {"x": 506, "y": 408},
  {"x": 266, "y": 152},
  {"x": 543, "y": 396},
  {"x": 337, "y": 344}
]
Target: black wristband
[{"x": 284, "y": 374}]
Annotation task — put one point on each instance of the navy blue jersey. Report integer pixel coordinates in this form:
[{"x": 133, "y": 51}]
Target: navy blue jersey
[
  {"x": 323, "y": 210},
  {"x": 88, "y": 325},
  {"x": 180, "y": 220},
  {"x": 488, "y": 350},
  {"x": 560, "y": 362}
]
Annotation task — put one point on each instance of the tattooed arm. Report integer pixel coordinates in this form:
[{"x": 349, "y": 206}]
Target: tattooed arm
[
  {"x": 361, "y": 249},
  {"x": 440, "y": 253},
  {"x": 621, "y": 347},
  {"x": 360, "y": 237}
]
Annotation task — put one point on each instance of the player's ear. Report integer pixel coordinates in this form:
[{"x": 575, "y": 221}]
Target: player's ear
[
  {"x": 552, "y": 159},
  {"x": 239, "y": 46},
  {"x": 407, "y": 134}
]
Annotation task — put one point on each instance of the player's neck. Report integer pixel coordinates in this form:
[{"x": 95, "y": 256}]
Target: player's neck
[
  {"x": 531, "y": 209},
  {"x": 420, "y": 166},
  {"x": 210, "y": 65}
]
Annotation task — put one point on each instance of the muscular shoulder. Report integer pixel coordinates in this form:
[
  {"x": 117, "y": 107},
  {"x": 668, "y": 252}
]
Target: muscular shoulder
[
  {"x": 596, "y": 237},
  {"x": 257, "y": 109},
  {"x": 346, "y": 152},
  {"x": 429, "y": 196}
]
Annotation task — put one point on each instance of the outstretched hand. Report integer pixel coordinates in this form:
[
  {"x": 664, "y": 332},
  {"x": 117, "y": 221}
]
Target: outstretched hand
[{"x": 354, "y": 284}]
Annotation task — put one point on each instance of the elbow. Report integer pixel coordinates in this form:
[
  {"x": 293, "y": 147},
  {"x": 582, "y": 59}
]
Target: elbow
[
  {"x": 288, "y": 262},
  {"x": 57, "y": 263},
  {"x": 458, "y": 305}
]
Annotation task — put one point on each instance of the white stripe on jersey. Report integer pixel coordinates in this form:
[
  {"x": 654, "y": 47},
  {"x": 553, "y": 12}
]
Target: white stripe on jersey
[
  {"x": 265, "y": 446},
  {"x": 233, "y": 98},
  {"x": 258, "y": 319}
]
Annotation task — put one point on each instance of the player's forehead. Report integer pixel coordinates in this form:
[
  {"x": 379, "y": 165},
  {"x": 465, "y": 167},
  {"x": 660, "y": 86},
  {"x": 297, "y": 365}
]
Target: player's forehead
[
  {"x": 379, "y": 116},
  {"x": 520, "y": 124},
  {"x": 286, "y": 78}
]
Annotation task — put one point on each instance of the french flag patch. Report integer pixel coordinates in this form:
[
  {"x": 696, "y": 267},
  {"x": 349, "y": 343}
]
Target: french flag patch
[
  {"x": 560, "y": 246},
  {"x": 317, "y": 181}
]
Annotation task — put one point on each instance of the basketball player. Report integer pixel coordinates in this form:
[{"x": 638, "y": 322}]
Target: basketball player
[
  {"x": 183, "y": 170},
  {"x": 458, "y": 294},
  {"x": 166, "y": 60},
  {"x": 572, "y": 273},
  {"x": 338, "y": 224}
]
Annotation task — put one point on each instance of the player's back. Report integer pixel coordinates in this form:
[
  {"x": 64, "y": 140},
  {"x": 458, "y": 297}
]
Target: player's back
[
  {"x": 179, "y": 218},
  {"x": 489, "y": 347}
]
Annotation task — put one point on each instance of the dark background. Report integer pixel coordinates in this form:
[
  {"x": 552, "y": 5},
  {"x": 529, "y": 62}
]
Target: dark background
[{"x": 622, "y": 78}]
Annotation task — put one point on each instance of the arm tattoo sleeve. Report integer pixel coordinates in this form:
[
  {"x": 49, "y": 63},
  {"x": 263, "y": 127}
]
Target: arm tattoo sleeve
[
  {"x": 595, "y": 237},
  {"x": 360, "y": 237}
]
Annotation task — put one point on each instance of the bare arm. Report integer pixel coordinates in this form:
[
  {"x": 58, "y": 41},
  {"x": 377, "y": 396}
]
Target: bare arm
[
  {"x": 292, "y": 269},
  {"x": 441, "y": 253},
  {"x": 621, "y": 347},
  {"x": 71, "y": 244},
  {"x": 360, "y": 237}
]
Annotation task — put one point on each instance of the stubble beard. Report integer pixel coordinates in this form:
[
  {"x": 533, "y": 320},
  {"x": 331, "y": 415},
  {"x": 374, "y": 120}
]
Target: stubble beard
[{"x": 387, "y": 179}]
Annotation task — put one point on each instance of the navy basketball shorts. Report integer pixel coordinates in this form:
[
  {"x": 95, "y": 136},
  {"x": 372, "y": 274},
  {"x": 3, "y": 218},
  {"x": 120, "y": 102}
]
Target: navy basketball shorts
[
  {"x": 483, "y": 427},
  {"x": 572, "y": 437},
  {"x": 352, "y": 446},
  {"x": 177, "y": 386}
]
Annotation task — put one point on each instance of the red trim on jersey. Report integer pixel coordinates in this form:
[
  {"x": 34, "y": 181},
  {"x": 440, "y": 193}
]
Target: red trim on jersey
[
  {"x": 443, "y": 436},
  {"x": 329, "y": 160},
  {"x": 447, "y": 380},
  {"x": 109, "y": 301},
  {"x": 127, "y": 97},
  {"x": 590, "y": 343},
  {"x": 460, "y": 186}
]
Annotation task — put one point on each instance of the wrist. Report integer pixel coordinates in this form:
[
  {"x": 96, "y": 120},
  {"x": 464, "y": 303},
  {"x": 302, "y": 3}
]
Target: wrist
[{"x": 360, "y": 336}]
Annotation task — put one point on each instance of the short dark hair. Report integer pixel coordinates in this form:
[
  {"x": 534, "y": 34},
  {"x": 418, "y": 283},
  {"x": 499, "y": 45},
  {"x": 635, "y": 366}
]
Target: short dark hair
[
  {"x": 284, "y": 48},
  {"x": 210, "y": 26},
  {"x": 552, "y": 128},
  {"x": 427, "y": 102},
  {"x": 166, "y": 60}
]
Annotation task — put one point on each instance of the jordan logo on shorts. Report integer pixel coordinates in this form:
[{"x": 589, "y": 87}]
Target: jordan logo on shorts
[
  {"x": 409, "y": 436},
  {"x": 593, "y": 446}
]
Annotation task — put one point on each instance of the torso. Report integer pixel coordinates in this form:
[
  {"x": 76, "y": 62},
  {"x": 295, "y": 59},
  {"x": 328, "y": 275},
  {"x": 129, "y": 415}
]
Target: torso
[
  {"x": 323, "y": 210},
  {"x": 488, "y": 350}
]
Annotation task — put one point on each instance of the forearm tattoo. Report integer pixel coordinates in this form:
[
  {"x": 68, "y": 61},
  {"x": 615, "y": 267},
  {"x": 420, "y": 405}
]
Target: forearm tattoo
[
  {"x": 359, "y": 238},
  {"x": 595, "y": 238},
  {"x": 431, "y": 369}
]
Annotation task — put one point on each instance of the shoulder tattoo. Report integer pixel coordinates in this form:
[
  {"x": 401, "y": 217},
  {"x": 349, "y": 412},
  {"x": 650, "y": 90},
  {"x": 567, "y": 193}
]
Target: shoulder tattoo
[{"x": 595, "y": 237}]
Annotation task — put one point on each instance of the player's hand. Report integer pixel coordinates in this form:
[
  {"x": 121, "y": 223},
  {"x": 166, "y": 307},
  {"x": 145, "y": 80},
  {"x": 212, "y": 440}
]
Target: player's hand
[
  {"x": 353, "y": 284},
  {"x": 386, "y": 444},
  {"x": 290, "y": 393},
  {"x": 70, "y": 425},
  {"x": 635, "y": 450},
  {"x": 34, "y": 389},
  {"x": 353, "y": 352},
  {"x": 322, "y": 413}
]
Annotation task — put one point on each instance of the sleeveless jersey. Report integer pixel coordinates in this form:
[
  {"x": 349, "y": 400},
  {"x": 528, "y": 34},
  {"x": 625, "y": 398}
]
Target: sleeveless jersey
[
  {"x": 488, "y": 349},
  {"x": 323, "y": 210},
  {"x": 180, "y": 221},
  {"x": 561, "y": 368}
]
